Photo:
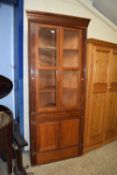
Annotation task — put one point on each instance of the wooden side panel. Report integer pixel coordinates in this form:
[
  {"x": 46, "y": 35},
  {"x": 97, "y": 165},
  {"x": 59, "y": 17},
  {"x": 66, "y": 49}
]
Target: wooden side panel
[
  {"x": 111, "y": 116},
  {"x": 111, "y": 111},
  {"x": 69, "y": 132},
  {"x": 113, "y": 67},
  {"x": 47, "y": 136}
]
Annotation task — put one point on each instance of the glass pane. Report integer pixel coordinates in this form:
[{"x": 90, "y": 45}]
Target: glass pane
[
  {"x": 69, "y": 98},
  {"x": 70, "y": 79},
  {"x": 47, "y": 99},
  {"x": 70, "y": 88},
  {"x": 47, "y": 47},
  {"x": 71, "y": 39},
  {"x": 47, "y": 57},
  {"x": 70, "y": 58},
  {"x": 71, "y": 49},
  {"x": 47, "y": 88}
]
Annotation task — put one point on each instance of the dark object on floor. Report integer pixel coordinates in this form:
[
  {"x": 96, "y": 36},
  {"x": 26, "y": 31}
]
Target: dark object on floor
[
  {"x": 6, "y": 124},
  {"x": 6, "y": 86},
  {"x": 10, "y": 137},
  {"x": 6, "y": 136}
]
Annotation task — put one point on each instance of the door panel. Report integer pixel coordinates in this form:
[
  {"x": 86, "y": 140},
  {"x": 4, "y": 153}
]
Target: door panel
[
  {"x": 96, "y": 118},
  {"x": 47, "y": 136},
  {"x": 113, "y": 67},
  {"x": 47, "y": 89},
  {"x": 111, "y": 117},
  {"x": 70, "y": 89},
  {"x": 70, "y": 68},
  {"x": 69, "y": 132},
  {"x": 100, "y": 65},
  {"x": 44, "y": 67},
  {"x": 98, "y": 95}
]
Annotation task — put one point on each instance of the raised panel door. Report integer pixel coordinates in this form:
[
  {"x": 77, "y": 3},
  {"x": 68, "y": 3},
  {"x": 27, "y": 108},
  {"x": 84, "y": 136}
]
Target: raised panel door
[
  {"x": 69, "y": 133},
  {"x": 98, "y": 94},
  {"x": 111, "y": 111},
  {"x": 47, "y": 136}
]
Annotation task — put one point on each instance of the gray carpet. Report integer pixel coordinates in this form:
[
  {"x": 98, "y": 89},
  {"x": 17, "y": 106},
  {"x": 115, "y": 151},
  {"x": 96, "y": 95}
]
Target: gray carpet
[{"x": 102, "y": 161}]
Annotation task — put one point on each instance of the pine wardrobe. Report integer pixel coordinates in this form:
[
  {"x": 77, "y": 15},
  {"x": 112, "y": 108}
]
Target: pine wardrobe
[{"x": 101, "y": 98}]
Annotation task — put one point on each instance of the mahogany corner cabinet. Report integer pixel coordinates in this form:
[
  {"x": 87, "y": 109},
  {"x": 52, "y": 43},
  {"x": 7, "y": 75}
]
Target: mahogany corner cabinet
[{"x": 57, "y": 51}]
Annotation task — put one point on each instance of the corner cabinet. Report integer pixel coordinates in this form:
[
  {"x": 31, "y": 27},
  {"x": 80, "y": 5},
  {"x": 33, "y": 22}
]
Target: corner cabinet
[
  {"x": 101, "y": 100},
  {"x": 57, "y": 50}
]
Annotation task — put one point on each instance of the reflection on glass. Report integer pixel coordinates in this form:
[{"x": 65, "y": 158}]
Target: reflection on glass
[
  {"x": 71, "y": 39},
  {"x": 47, "y": 57},
  {"x": 47, "y": 47}
]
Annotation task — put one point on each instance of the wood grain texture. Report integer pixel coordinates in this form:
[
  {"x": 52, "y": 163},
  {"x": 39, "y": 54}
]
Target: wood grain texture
[
  {"x": 57, "y": 54},
  {"x": 101, "y": 98}
]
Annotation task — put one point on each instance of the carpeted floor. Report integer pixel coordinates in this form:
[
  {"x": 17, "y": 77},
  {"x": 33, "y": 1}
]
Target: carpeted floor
[{"x": 102, "y": 161}]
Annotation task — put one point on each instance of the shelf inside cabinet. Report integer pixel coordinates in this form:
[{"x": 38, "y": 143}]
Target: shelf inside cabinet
[
  {"x": 47, "y": 99},
  {"x": 48, "y": 89},
  {"x": 46, "y": 47},
  {"x": 70, "y": 58}
]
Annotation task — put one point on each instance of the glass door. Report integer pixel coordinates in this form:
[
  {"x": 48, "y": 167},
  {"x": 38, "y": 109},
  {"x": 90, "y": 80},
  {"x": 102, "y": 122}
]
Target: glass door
[
  {"x": 46, "y": 67},
  {"x": 70, "y": 67}
]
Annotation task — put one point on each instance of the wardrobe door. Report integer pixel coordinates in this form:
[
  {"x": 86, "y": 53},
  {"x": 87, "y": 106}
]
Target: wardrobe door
[
  {"x": 98, "y": 93},
  {"x": 111, "y": 111}
]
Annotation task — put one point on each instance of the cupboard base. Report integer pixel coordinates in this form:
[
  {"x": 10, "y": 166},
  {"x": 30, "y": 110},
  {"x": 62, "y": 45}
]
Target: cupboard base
[{"x": 47, "y": 157}]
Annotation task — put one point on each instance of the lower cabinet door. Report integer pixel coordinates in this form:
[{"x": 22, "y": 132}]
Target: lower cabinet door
[
  {"x": 55, "y": 140},
  {"x": 47, "y": 136},
  {"x": 69, "y": 132}
]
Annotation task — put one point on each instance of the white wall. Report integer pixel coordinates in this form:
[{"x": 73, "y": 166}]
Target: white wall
[{"x": 99, "y": 27}]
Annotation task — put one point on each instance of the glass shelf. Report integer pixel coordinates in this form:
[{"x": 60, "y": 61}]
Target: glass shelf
[{"x": 48, "y": 89}]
